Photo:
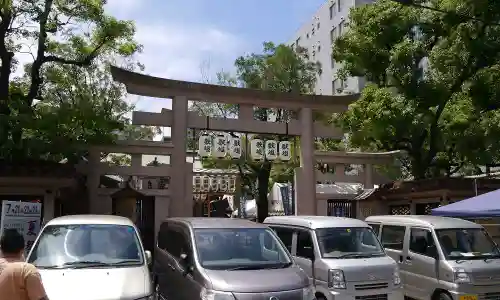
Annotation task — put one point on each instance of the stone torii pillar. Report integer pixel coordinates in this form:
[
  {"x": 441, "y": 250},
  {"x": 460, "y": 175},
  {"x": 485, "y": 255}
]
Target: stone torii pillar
[{"x": 305, "y": 176}]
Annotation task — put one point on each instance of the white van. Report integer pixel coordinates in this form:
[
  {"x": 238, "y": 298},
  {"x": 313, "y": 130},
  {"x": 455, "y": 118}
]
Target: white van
[
  {"x": 342, "y": 256},
  {"x": 441, "y": 258},
  {"x": 92, "y": 257}
]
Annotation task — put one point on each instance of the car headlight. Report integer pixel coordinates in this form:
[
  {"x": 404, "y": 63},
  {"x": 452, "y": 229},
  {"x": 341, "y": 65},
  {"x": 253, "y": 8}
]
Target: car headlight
[
  {"x": 216, "y": 295},
  {"x": 308, "y": 293},
  {"x": 336, "y": 279},
  {"x": 396, "y": 279},
  {"x": 460, "y": 276}
]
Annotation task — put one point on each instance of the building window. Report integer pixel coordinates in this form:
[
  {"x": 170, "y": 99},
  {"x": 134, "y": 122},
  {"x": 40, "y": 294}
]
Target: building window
[
  {"x": 332, "y": 10},
  {"x": 307, "y": 35},
  {"x": 297, "y": 42},
  {"x": 333, "y": 35},
  {"x": 341, "y": 27},
  {"x": 318, "y": 26},
  {"x": 339, "y": 5},
  {"x": 312, "y": 31},
  {"x": 319, "y": 48},
  {"x": 333, "y": 62},
  {"x": 335, "y": 86}
]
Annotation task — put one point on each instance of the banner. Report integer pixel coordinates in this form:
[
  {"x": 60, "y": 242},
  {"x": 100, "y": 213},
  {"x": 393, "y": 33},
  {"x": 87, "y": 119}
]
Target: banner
[{"x": 23, "y": 216}]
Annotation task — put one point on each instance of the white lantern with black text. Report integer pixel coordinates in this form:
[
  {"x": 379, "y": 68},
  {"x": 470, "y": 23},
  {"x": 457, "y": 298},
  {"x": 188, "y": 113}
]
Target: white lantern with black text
[
  {"x": 196, "y": 183},
  {"x": 214, "y": 184},
  {"x": 271, "y": 147},
  {"x": 284, "y": 152},
  {"x": 235, "y": 147},
  {"x": 219, "y": 149},
  {"x": 205, "y": 145},
  {"x": 232, "y": 184},
  {"x": 205, "y": 183},
  {"x": 224, "y": 182},
  {"x": 257, "y": 149}
]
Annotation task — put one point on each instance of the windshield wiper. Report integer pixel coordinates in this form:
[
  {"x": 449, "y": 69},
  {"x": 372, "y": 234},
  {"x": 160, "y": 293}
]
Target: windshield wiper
[
  {"x": 84, "y": 263},
  {"x": 124, "y": 262},
  {"x": 280, "y": 266},
  {"x": 355, "y": 255}
]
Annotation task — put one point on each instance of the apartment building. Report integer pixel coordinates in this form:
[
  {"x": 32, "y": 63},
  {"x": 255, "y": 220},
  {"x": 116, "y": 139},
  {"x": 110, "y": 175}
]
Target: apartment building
[{"x": 317, "y": 36}]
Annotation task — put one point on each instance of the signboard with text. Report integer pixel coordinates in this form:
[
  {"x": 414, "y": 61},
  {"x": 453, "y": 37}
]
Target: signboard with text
[{"x": 23, "y": 216}]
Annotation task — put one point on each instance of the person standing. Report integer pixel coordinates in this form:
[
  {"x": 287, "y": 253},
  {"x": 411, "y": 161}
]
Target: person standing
[{"x": 18, "y": 280}]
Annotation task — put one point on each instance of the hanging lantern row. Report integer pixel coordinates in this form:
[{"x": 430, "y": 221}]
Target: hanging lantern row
[
  {"x": 198, "y": 197},
  {"x": 214, "y": 184},
  {"x": 270, "y": 150},
  {"x": 220, "y": 147}
]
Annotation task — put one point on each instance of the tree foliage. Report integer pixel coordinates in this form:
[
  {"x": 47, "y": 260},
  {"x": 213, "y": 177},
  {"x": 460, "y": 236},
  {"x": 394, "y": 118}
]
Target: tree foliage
[
  {"x": 433, "y": 83},
  {"x": 65, "y": 39}
]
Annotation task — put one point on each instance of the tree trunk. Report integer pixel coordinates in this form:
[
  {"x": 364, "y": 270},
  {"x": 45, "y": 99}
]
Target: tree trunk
[{"x": 263, "y": 186}]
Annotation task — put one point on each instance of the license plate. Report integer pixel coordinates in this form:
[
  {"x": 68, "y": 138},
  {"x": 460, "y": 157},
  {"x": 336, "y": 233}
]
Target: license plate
[{"x": 468, "y": 297}]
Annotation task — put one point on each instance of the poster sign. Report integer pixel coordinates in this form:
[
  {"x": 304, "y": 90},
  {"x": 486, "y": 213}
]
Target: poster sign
[{"x": 23, "y": 216}]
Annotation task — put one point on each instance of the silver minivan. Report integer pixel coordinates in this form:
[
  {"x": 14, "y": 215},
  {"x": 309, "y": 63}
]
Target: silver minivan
[
  {"x": 441, "y": 258},
  {"x": 92, "y": 257},
  {"x": 342, "y": 256},
  {"x": 225, "y": 259}
]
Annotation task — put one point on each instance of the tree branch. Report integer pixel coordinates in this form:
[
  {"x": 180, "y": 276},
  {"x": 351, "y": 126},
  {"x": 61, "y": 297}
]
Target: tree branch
[
  {"x": 454, "y": 88},
  {"x": 36, "y": 79}
]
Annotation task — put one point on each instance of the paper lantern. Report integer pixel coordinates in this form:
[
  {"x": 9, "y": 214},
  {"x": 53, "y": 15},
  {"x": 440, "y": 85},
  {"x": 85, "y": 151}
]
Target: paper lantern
[
  {"x": 257, "y": 149},
  {"x": 214, "y": 184},
  {"x": 232, "y": 184},
  {"x": 271, "y": 147},
  {"x": 284, "y": 152},
  {"x": 235, "y": 147},
  {"x": 196, "y": 183},
  {"x": 219, "y": 149},
  {"x": 205, "y": 183},
  {"x": 204, "y": 145},
  {"x": 224, "y": 182}
]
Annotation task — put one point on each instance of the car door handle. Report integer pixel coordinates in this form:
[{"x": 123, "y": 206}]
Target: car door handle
[{"x": 171, "y": 267}]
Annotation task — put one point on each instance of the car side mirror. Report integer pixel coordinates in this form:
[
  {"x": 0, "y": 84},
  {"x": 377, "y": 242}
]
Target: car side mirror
[{"x": 149, "y": 257}]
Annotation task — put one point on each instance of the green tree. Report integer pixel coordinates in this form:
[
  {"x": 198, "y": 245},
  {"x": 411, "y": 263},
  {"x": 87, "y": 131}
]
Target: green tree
[
  {"x": 70, "y": 33},
  {"x": 82, "y": 106},
  {"x": 433, "y": 83},
  {"x": 278, "y": 68}
]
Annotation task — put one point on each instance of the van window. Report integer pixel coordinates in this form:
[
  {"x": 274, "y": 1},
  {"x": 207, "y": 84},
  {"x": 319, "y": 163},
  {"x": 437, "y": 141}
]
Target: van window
[
  {"x": 393, "y": 237},
  {"x": 467, "y": 244},
  {"x": 420, "y": 241},
  {"x": 162, "y": 236},
  {"x": 176, "y": 243},
  {"x": 304, "y": 244},
  {"x": 375, "y": 228},
  {"x": 285, "y": 235},
  {"x": 240, "y": 248},
  {"x": 348, "y": 242},
  {"x": 66, "y": 246}
]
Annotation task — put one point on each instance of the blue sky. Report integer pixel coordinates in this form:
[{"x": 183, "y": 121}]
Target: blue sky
[{"x": 193, "y": 39}]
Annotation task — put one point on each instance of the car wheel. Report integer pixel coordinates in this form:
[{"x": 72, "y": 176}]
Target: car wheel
[{"x": 444, "y": 296}]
